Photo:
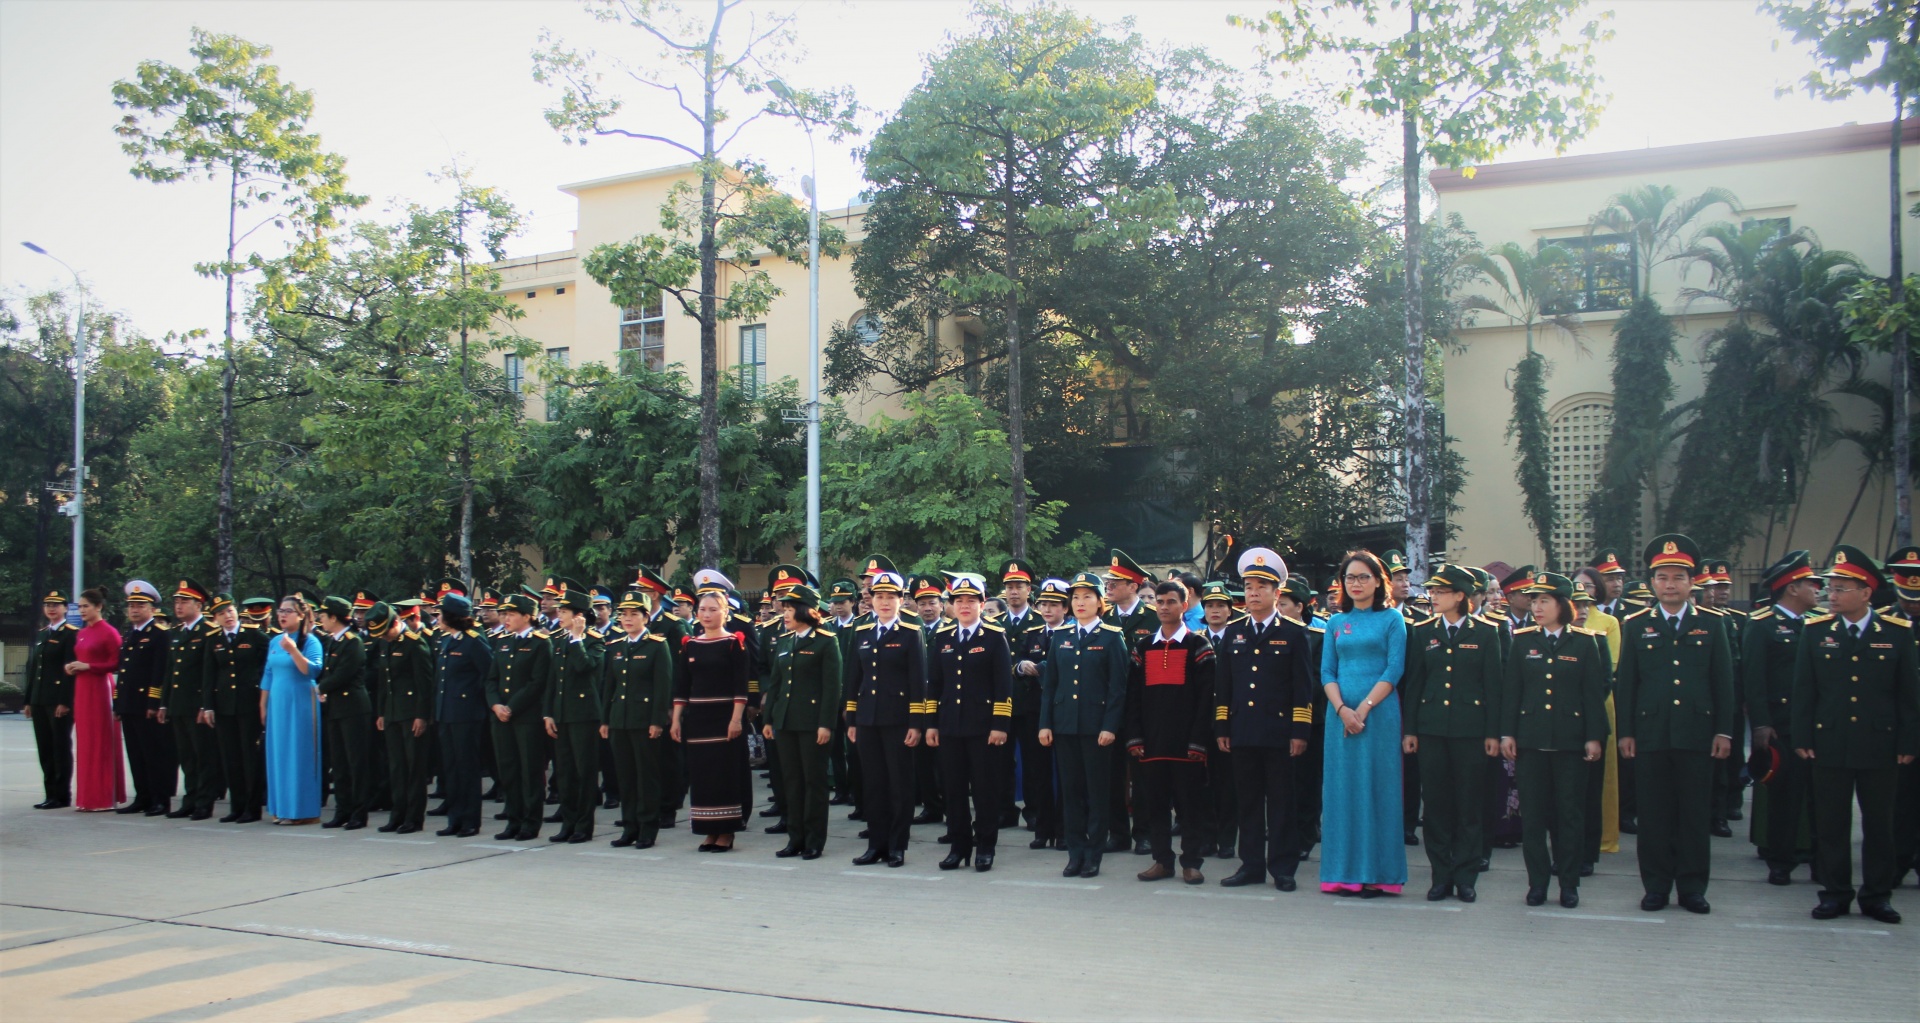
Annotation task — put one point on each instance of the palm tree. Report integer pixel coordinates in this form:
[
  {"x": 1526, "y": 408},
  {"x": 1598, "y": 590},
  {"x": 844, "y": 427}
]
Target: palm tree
[
  {"x": 1875, "y": 444},
  {"x": 1650, "y": 219},
  {"x": 1529, "y": 283}
]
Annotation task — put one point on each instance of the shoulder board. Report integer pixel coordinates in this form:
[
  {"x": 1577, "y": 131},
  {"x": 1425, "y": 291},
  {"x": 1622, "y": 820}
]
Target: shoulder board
[
  {"x": 1585, "y": 632},
  {"x": 1485, "y": 619},
  {"x": 1323, "y": 615},
  {"x": 1429, "y": 620},
  {"x": 1294, "y": 620},
  {"x": 1895, "y": 620},
  {"x": 1110, "y": 627},
  {"x": 1526, "y": 629},
  {"x": 68, "y": 627},
  {"x": 1636, "y": 614},
  {"x": 1818, "y": 619},
  {"x": 542, "y": 634},
  {"x": 863, "y": 627},
  {"x": 992, "y": 627},
  {"x": 162, "y": 626},
  {"x": 915, "y": 626},
  {"x": 1238, "y": 617},
  {"x": 250, "y": 625},
  {"x": 1714, "y": 611},
  {"x": 1319, "y": 626},
  {"x": 829, "y": 633},
  {"x": 656, "y": 637},
  {"x": 947, "y": 627},
  {"x": 1762, "y": 614}
]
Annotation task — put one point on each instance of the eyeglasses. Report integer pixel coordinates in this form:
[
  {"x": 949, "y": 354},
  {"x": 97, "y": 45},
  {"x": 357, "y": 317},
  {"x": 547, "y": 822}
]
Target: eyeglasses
[{"x": 1359, "y": 579}]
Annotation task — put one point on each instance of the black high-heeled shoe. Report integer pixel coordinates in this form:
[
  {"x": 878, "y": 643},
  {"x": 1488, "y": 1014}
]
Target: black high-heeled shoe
[
  {"x": 868, "y": 858},
  {"x": 983, "y": 862},
  {"x": 955, "y": 860},
  {"x": 709, "y": 845}
]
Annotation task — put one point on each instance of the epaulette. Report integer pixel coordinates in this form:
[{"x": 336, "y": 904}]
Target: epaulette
[
  {"x": 829, "y": 633},
  {"x": 995, "y": 628},
  {"x": 1717, "y": 612},
  {"x": 863, "y": 626},
  {"x": 1486, "y": 619},
  {"x": 654, "y": 635},
  {"x": 902, "y": 621},
  {"x": 471, "y": 634},
  {"x": 1294, "y": 620},
  {"x": 1523, "y": 630},
  {"x": 1322, "y": 615},
  {"x": 1585, "y": 632},
  {"x": 68, "y": 627},
  {"x": 949, "y": 627},
  {"x": 1897, "y": 620},
  {"x": 1238, "y": 616},
  {"x": 542, "y": 634},
  {"x": 1817, "y": 619},
  {"x": 1429, "y": 620},
  {"x": 1319, "y": 625},
  {"x": 1761, "y": 615},
  {"x": 1636, "y": 614},
  {"x": 162, "y": 626},
  {"x": 1110, "y": 627}
]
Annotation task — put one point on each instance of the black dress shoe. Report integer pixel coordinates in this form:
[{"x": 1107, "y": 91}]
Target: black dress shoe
[
  {"x": 1092, "y": 869},
  {"x": 868, "y": 858},
  {"x": 644, "y": 843},
  {"x": 437, "y": 811},
  {"x": 580, "y": 838},
  {"x": 1779, "y": 876},
  {"x": 160, "y": 808},
  {"x": 45, "y": 804},
  {"x": 1586, "y": 870},
  {"x": 179, "y": 815},
  {"x": 355, "y": 824},
  {"x": 1735, "y": 815},
  {"x": 447, "y": 832},
  {"x": 925, "y": 818},
  {"x": 1073, "y": 867},
  {"x": 857, "y": 816},
  {"x": 1243, "y": 877},
  {"x": 553, "y": 799},
  {"x": 946, "y": 839},
  {"x": 526, "y": 835},
  {"x": 776, "y": 829},
  {"x": 252, "y": 817},
  {"x": 1695, "y": 903},
  {"x": 563, "y": 836},
  {"x": 610, "y": 803},
  {"x": 1208, "y": 849},
  {"x": 897, "y": 860},
  {"x": 1039, "y": 843},
  {"x": 556, "y": 817},
  {"x": 506, "y": 836},
  {"x": 1116, "y": 844},
  {"x": 334, "y": 822},
  {"x": 230, "y": 818},
  {"x": 809, "y": 854},
  {"x": 1412, "y": 839},
  {"x": 1439, "y": 892},
  {"x": 492, "y": 793},
  {"x": 790, "y": 851},
  {"x": 1466, "y": 893},
  {"x": 840, "y": 799},
  {"x": 1828, "y": 909},
  {"x": 1629, "y": 826},
  {"x": 1653, "y": 903},
  {"x": 202, "y": 814},
  {"x": 132, "y": 808},
  {"x": 983, "y": 862},
  {"x": 467, "y": 832},
  {"x": 1483, "y": 866},
  {"x": 1881, "y": 911},
  {"x": 955, "y": 860},
  {"x": 1370, "y": 892},
  {"x": 502, "y": 815},
  {"x": 1721, "y": 830},
  {"x": 407, "y": 829},
  {"x": 1536, "y": 896},
  {"x": 1569, "y": 897},
  {"x": 1142, "y": 847},
  {"x": 1285, "y": 884},
  {"x": 623, "y": 841},
  {"x": 865, "y": 833},
  {"x": 388, "y": 828}
]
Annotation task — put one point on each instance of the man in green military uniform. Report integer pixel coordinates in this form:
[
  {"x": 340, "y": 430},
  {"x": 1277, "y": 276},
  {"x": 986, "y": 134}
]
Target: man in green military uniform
[
  {"x": 1675, "y": 713},
  {"x": 636, "y": 694},
  {"x": 1450, "y": 706},
  {"x": 517, "y": 680},
  {"x": 49, "y": 700},
  {"x": 1904, "y": 566},
  {"x": 236, "y": 658},
  {"x": 1399, "y": 581},
  {"x": 400, "y": 661},
  {"x": 1770, "y": 645},
  {"x": 802, "y": 699},
  {"x": 348, "y": 711},
  {"x": 572, "y": 709},
  {"x": 842, "y": 596},
  {"x": 182, "y": 686},
  {"x": 1016, "y": 588},
  {"x": 1137, "y": 621},
  {"x": 1715, "y": 582},
  {"x": 1856, "y": 718}
]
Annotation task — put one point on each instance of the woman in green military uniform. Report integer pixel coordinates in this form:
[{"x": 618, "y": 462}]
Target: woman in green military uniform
[
  {"x": 1553, "y": 722},
  {"x": 636, "y": 703},
  {"x": 800, "y": 703}
]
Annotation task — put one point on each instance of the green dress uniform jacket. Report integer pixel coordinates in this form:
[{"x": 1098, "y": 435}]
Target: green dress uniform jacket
[
  {"x": 1674, "y": 688},
  {"x": 404, "y": 666},
  {"x": 573, "y": 696},
  {"x": 520, "y": 673},
  {"x": 1083, "y": 684},
  {"x": 1452, "y": 687},
  {"x": 183, "y": 681},
  {"x": 343, "y": 676},
  {"x": 1856, "y": 702},
  {"x": 636, "y": 688},
  {"x": 1138, "y": 625},
  {"x": 1770, "y": 647},
  {"x": 803, "y": 687},
  {"x": 234, "y": 666},
  {"x": 1554, "y": 696},
  {"x": 46, "y": 679}
]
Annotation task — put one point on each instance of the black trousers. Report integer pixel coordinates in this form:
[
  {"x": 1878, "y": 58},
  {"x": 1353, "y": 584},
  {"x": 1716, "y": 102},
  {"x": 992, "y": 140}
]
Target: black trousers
[
  {"x": 970, "y": 773},
  {"x": 1309, "y": 769},
  {"x": 459, "y": 749},
  {"x": 350, "y": 753},
  {"x": 1086, "y": 769},
  {"x": 243, "y": 758},
  {"x": 1906, "y": 819},
  {"x": 636, "y": 767},
  {"x": 1553, "y": 802},
  {"x": 408, "y": 763},
  {"x": 844, "y": 763},
  {"x": 776, "y": 781},
  {"x": 1591, "y": 808},
  {"x": 53, "y": 738},
  {"x": 1263, "y": 782},
  {"x": 198, "y": 749},
  {"x": 1676, "y": 793},
  {"x": 576, "y": 760},
  {"x": 1629, "y": 788},
  {"x": 1727, "y": 787},
  {"x": 1789, "y": 804},
  {"x": 1166, "y": 787},
  {"x": 803, "y": 770},
  {"x": 150, "y": 757},
  {"x": 379, "y": 780},
  {"x": 887, "y": 768},
  {"x": 1835, "y": 790},
  {"x": 1409, "y": 791},
  {"x": 1119, "y": 819},
  {"x": 673, "y": 781},
  {"x": 1223, "y": 803},
  {"x": 520, "y": 748},
  {"x": 1036, "y": 778},
  {"x": 1453, "y": 780},
  {"x": 609, "y": 783},
  {"x": 926, "y": 781}
]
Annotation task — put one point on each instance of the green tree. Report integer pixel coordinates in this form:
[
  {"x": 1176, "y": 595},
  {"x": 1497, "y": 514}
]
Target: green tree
[
  {"x": 1530, "y": 286},
  {"x": 1000, "y": 134},
  {"x": 1465, "y": 81},
  {"x": 736, "y": 211},
  {"x": 125, "y": 392},
  {"x": 1867, "y": 45}
]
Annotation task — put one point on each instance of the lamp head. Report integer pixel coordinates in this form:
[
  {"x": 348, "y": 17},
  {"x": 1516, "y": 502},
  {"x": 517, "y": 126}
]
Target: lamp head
[{"x": 31, "y": 247}]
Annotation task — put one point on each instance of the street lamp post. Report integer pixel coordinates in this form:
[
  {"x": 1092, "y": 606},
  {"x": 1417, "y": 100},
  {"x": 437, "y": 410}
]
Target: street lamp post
[
  {"x": 811, "y": 185},
  {"x": 76, "y": 509}
]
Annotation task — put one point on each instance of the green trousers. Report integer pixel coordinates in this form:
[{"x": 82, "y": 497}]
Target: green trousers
[
  {"x": 1834, "y": 792},
  {"x": 198, "y": 748},
  {"x": 576, "y": 760},
  {"x": 1553, "y": 802},
  {"x": 636, "y": 769},
  {"x": 407, "y": 771},
  {"x": 519, "y": 750},
  {"x": 803, "y": 772},
  {"x": 1453, "y": 780},
  {"x": 350, "y": 758},
  {"x": 1675, "y": 790}
]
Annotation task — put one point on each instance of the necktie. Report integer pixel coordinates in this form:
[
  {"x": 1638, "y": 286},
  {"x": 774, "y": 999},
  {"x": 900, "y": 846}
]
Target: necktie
[{"x": 1857, "y": 628}]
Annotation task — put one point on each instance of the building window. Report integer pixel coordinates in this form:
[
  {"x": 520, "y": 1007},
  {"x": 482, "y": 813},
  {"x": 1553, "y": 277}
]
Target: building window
[
  {"x": 559, "y": 291},
  {"x": 753, "y": 358},
  {"x": 1601, "y": 275},
  {"x": 1579, "y": 442},
  {"x": 555, "y": 392},
  {"x": 1778, "y": 227},
  {"x": 866, "y": 328},
  {"x": 643, "y": 329},
  {"x": 516, "y": 374}
]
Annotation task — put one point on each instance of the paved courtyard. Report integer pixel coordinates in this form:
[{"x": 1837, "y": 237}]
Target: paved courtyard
[{"x": 104, "y": 917}]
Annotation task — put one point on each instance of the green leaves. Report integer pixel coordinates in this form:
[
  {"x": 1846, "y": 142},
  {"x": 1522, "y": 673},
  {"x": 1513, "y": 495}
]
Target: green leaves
[{"x": 1533, "y": 457}]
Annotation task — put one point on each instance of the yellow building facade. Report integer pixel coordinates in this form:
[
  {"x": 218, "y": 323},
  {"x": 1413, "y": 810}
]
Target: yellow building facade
[{"x": 1831, "y": 183}]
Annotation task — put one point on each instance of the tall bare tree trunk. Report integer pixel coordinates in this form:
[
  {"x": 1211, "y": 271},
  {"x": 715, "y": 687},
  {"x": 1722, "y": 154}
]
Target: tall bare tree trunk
[
  {"x": 223, "y": 505},
  {"x": 1414, "y": 398},
  {"x": 709, "y": 323},
  {"x": 466, "y": 435},
  {"x": 1896, "y": 292},
  {"x": 1016, "y": 411}
]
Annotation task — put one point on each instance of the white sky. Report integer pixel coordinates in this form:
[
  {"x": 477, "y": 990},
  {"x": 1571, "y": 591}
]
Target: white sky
[{"x": 403, "y": 87}]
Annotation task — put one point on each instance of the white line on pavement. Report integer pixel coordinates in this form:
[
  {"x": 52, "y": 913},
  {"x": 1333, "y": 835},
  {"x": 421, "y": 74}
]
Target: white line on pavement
[
  {"x": 1807, "y": 927},
  {"x": 1217, "y": 895},
  {"x": 1595, "y": 916},
  {"x": 739, "y": 863},
  {"x": 1050, "y": 884},
  {"x": 894, "y": 874},
  {"x": 1399, "y": 905},
  {"x": 401, "y": 841}
]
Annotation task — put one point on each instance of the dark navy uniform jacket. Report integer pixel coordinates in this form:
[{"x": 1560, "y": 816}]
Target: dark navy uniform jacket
[
  {"x": 970, "y": 690},
  {"x": 886, "y": 679},
  {"x": 464, "y": 662},
  {"x": 1264, "y": 683},
  {"x": 143, "y": 662}
]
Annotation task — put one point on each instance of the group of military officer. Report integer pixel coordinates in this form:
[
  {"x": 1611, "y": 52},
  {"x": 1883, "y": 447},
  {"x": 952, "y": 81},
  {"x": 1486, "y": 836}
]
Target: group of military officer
[{"x": 1113, "y": 703}]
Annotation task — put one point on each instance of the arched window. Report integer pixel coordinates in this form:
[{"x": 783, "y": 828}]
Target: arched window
[{"x": 1579, "y": 441}]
